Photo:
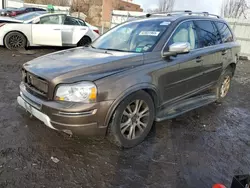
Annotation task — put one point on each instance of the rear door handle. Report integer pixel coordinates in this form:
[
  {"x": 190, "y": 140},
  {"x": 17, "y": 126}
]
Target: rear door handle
[
  {"x": 57, "y": 29},
  {"x": 199, "y": 59}
]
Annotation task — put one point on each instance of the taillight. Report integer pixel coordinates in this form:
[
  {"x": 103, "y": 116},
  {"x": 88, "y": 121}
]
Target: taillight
[
  {"x": 97, "y": 31},
  {"x": 2, "y": 24}
]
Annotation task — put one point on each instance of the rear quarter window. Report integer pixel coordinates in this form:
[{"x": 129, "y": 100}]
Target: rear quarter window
[{"x": 225, "y": 32}]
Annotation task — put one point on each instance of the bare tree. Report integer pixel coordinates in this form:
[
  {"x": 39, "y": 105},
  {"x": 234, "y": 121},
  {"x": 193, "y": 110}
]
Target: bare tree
[
  {"x": 62, "y": 2},
  {"x": 166, "y": 5},
  {"x": 163, "y": 6},
  {"x": 234, "y": 8}
]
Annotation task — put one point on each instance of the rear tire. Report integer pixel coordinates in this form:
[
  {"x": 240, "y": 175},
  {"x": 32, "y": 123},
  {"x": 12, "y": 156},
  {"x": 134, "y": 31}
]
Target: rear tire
[
  {"x": 132, "y": 120},
  {"x": 224, "y": 85},
  {"x": 15, "y": 40},
  {"x": 84, "y": 41}
]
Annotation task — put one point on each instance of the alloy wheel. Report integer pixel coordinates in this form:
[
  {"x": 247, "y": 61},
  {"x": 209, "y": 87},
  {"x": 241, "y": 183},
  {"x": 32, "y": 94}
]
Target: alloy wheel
[
  {"x": 225, "y": 86},
  {"x": 134, "y": 119},
  {"x": 16, "y": 41}
]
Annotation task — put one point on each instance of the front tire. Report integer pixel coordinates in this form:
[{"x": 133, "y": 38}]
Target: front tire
[
  {"x": 15, "y": 40},
  {"x": 132, "y": 120},
  {"x": 224, "y": 85}
]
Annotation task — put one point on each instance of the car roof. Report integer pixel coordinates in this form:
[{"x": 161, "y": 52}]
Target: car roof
[{"x": 177, "y": 17}]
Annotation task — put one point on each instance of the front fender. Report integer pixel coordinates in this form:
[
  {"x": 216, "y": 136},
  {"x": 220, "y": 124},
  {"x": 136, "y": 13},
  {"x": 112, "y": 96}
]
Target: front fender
[{"x": 127, "y": 92}]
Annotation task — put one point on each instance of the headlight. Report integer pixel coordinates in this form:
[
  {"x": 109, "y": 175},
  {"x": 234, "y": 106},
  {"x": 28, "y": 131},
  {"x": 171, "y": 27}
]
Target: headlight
[{"x": 85, "y": 92}]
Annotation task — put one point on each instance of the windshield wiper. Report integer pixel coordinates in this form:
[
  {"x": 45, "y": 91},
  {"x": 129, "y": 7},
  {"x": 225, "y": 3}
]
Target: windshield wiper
[{"x": 113, "y": 49}]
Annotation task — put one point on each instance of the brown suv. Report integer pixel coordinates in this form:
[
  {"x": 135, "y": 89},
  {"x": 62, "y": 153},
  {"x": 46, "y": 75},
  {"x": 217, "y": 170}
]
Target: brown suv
[{"x": 142, "y": 71}]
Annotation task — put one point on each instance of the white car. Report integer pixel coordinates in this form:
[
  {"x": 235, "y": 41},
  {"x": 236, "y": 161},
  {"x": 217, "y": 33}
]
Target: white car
[{"x": 50, "y": 29}]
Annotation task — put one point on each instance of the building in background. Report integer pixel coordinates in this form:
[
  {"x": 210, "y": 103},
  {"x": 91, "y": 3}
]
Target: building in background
[
  {"x": 110, "y": 5},
  {"x": 99, "y": 12},
  {"x": 2, "y": 4},
  {"x": 11, "y": 3}
]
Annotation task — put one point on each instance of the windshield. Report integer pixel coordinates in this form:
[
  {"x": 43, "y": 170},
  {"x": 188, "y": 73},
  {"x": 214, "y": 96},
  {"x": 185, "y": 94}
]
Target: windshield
[
  {"x": 139, "y": 36},
  {"x": 28, "y": 16}
]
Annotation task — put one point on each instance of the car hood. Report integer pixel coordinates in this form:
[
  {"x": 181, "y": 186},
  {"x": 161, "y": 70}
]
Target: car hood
[{"x": 82, "y": 64}]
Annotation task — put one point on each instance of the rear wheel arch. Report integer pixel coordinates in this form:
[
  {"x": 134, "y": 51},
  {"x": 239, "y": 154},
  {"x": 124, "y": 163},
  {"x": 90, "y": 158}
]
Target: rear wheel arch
[
  {"x": 232, "y": 67},
  {"x": 85, "y": 37},
  {"x": 151, "y": 90}
]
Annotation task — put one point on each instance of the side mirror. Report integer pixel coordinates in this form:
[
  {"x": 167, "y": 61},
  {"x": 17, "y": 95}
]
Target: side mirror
[
  {"x": 178, "y": 48},
  {"x": 35, "y": 21}
]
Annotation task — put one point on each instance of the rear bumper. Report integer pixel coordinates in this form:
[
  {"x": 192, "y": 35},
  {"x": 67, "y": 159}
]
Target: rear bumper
[{"x": 73, "y": 118}]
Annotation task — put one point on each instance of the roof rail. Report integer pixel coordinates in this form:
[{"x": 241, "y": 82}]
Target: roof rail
[{"x": 185, "y": 12}]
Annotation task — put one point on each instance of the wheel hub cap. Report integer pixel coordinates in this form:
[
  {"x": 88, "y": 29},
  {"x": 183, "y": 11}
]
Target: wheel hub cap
[
  {"x": 15, "y": 41},
  {"x": 134, "y": 119},
  {"x": 225, "y": 86}
]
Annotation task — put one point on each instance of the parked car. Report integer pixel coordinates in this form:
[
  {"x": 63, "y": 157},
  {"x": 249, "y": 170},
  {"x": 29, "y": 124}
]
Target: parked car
[
  {"x": 6, "y": 11},
  {"x": 139, "y": 72},
  {"x": 95, "y": 29},
  {"x": 49, "y": 29},
  {"x": 14, "y": 12}
]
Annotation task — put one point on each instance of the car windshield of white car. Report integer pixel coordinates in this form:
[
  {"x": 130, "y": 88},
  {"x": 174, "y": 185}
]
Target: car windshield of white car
[
  {"x": 137, "y": 36},
  {"x": 28, "y": 16}
]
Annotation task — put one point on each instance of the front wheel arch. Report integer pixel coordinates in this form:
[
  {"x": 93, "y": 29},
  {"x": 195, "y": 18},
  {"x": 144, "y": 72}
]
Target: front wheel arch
[
  {"x": 150, "y": 89},
  {"x": 121, "y": 139}
]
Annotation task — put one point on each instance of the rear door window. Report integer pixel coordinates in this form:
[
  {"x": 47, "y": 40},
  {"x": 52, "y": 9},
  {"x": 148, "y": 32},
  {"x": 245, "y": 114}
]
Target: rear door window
[
  {"x": 225, "y": 32},
  {"x": 71, "y": 21},
  {"x": 208, "y": 33}
]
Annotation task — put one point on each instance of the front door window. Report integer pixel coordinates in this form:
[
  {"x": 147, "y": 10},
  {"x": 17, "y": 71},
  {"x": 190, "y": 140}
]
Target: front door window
[{"x": 186, "y": 32}]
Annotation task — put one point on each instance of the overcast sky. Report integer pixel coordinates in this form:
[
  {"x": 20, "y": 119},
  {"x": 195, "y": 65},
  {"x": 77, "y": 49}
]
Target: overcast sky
[{"x": 212, "y": 6}]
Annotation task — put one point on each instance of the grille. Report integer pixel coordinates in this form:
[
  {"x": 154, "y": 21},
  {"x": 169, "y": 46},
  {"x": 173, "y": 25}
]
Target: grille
[{"x": 35, "y": 84}]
